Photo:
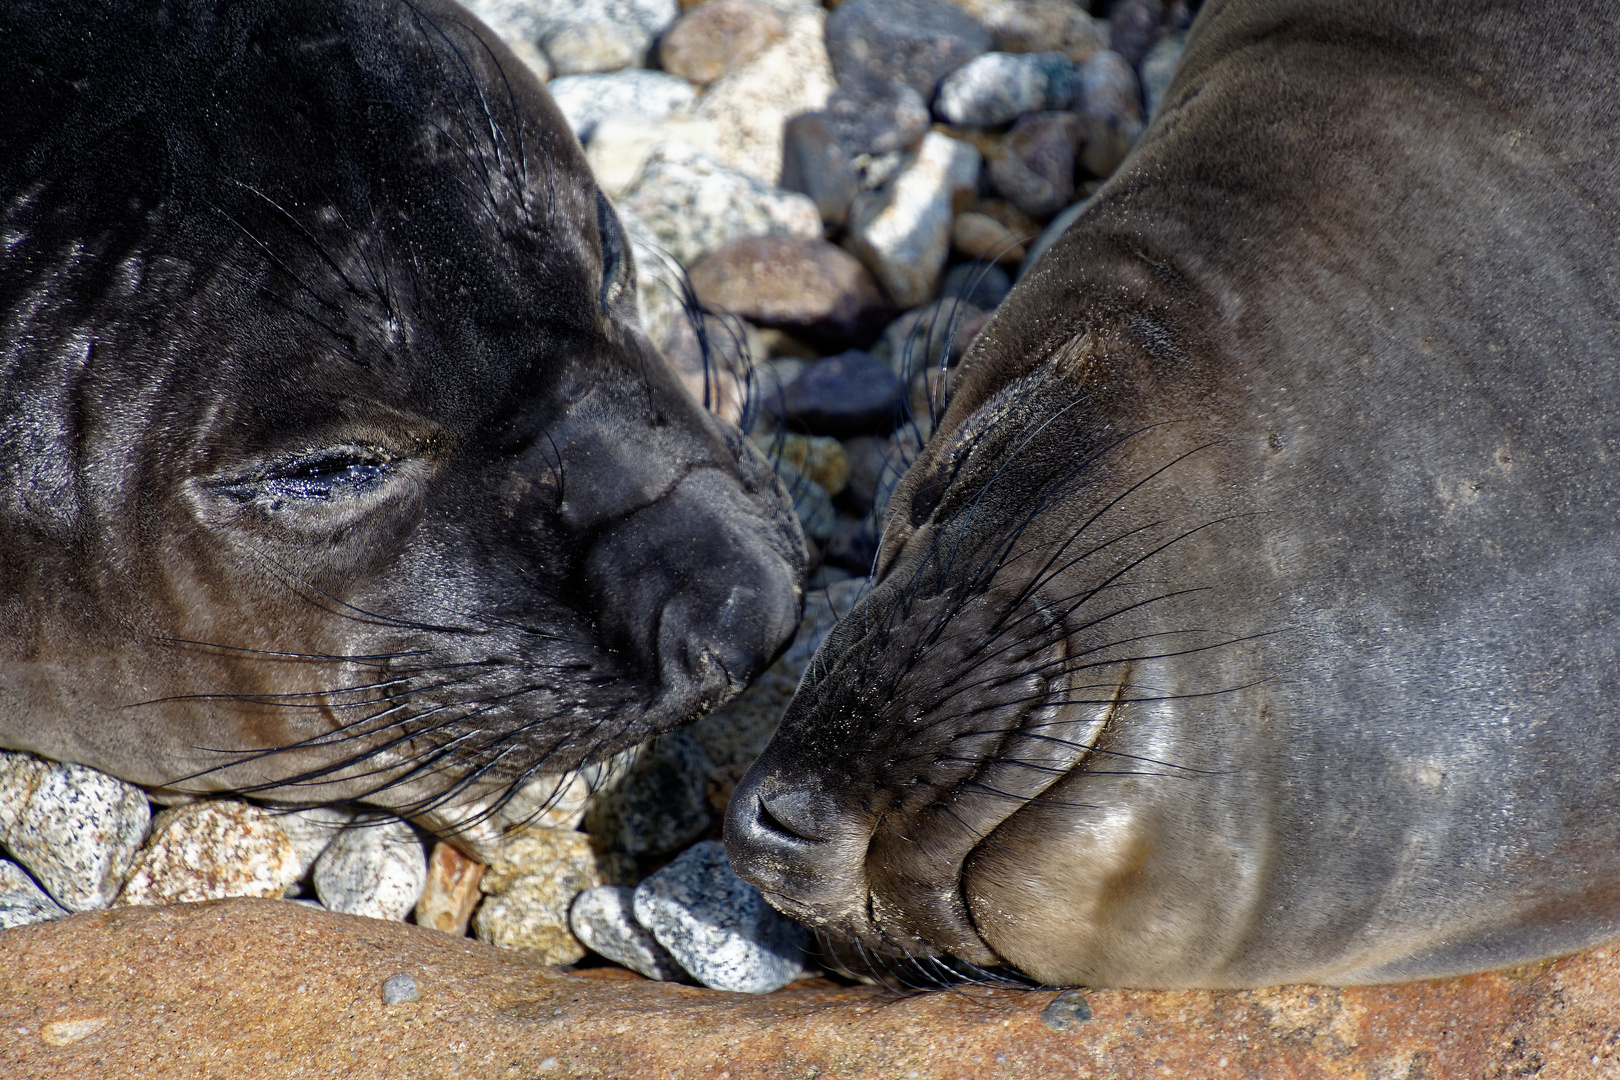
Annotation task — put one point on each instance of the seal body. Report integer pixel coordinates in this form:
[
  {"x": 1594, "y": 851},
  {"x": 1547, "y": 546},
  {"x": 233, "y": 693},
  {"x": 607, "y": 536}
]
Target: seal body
[
  {"x": 333, "y": 461},
  {"x": 1252, "y": 615}
]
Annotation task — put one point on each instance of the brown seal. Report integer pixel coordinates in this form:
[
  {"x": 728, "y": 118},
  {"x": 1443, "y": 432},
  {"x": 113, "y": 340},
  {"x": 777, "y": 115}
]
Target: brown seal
[
  {"x": 333, "y": 461},
  {"x": 1252, "y": 616}
]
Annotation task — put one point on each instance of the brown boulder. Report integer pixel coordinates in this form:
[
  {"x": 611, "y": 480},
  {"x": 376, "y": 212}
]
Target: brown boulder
[
  {"x": 717, "y": 37},
  {"x": 805, "y": 285},
  {"x": 260, "y": 988}
]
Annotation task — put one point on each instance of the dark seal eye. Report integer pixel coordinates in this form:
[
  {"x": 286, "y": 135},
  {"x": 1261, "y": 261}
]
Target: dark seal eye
[
  {"x": 618, "y": 273},
  {"x": 341, "y": 472}
]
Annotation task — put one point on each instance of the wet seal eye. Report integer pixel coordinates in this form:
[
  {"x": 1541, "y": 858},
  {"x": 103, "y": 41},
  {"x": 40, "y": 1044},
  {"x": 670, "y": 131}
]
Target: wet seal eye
[
  {"x": 618, "y": 280},
  {"x": 330, "y": 475}
]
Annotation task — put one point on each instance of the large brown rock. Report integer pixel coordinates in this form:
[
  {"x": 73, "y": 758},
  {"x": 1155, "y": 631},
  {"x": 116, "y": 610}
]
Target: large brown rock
[
  {"x": 719, "y": 36},
  {"x": 266, "y": 988},
  {"x": 801, "y": 284}
]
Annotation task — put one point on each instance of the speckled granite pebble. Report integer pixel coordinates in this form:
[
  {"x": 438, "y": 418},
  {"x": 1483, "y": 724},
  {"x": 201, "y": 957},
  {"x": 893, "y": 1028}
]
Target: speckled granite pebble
[
  {"x": 375, "y": 868},
  {"x": 22, "y": 901},
  {"x": 602, "y": 918},
  {"x": 74, "y": 829},
  {"x": 998, "y": 87},
  {"x": 311, "y": 831},
  {"x": 659, "y": 805},
  {"x": 717, "y": 926},
  {"x": 398, "y": 989},
  {"x": 529, "y": 891},
  {"x": 212, "y": 850}
]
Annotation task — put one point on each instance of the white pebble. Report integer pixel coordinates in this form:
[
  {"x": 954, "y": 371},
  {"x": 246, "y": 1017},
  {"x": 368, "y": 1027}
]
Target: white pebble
[
  {"x": 74, "y": 829},
  {"x": 377, "y": 868},
  {"x": 602, "y": 918},
  {"x": 21, "y": 901}
]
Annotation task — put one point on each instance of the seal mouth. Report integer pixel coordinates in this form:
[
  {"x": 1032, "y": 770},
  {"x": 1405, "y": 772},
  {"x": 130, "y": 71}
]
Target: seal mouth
[{"x": 870, "y": 846}]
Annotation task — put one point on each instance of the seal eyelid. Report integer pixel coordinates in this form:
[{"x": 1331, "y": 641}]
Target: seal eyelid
[
  {"x": 337, "y": 472},
  {"x": 617, "y": 282}
]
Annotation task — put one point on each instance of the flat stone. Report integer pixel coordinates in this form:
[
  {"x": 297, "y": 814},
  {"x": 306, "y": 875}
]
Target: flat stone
[
  {"x": 852, "y": 393},
  {"x": 529, "y": 892},
  {"x": 717, "y": 926},
  {"x": 979, "y": 236},
  {"x": 1133, "y": 27},
  {"x": 1158, "y": 67},
  {"x": 603, "y": 919},
  {"x": 211, "y": 850},
  {"x": 659, "y": 804},
  {"x": 303, "y": 994},
  {"x": 1031, "y": 26},
  {"x": 577, "y": 47},
  {"x": 902, "y": 231},
  {"x": 714, "y": 37},
  {"x": 1107, "y": 98},
  {"x": 998, "y": 87},
  {"x": 981, "y": 285},
  {"x": 650, "y": 95},
  {"x": 692, "y": 204},
  {"x": 22, "y": 901},
  {"x": 750, "y": 105},
  {"x": 876, "y": 116},
  {"x": 917, "y": 42},
  {"x": 802, "y": 284},
  {"x": 621, "y": 143},
  {"x": 451, "y": 891},
  {"x": 1035, "y": 166},
  {"x": 815, "y": 163},
  {"x": 75, "y": 830},
  {"x": 375, "y": 868}
]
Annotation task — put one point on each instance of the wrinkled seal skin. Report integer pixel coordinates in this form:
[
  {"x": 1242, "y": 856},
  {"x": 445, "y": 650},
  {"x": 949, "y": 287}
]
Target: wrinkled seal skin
[
  {"x": 333, "y": 461},
  {"x": 1252, "y": 615}
]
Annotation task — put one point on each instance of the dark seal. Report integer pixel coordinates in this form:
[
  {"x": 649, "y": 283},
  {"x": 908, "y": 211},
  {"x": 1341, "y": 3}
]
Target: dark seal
[
  {"x": 1254, "y": 614},
  {"x": 333, "y": 461}
]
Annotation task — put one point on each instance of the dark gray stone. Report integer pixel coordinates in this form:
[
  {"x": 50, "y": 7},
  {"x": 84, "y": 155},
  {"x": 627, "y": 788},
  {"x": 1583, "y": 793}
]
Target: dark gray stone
[
  {"x": 876, "y": 116},
  {"x": 1133, "y": 27},
  {"x": 983, "y": 285},
  {"x": 916, "y": 41},
  {"x": 1035, "y": 170},
  {"x": 815, "y": 163},
  {"x": 658, "y": 805},
  {"x": 1067, "y": 1011},
  {"x": 853, "y": 393}
]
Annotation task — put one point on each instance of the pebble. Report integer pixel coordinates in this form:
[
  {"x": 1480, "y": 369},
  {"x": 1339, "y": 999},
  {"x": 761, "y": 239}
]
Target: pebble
[
  {"x": 398, "y": 989},
  {"x": 528, "y": 892},
  {"x": 871, "y": 115},
  {"x": 451, "y": 891},
  {"x": 979, "y": 285},
  {"x": 585, "y": 48},
  {"x": 75, "y": 830},
  {"x": 621, "y": 143},
  {"x": 815, "y": 163},
  {"x": 1133, "y": 27},
  {"x": 691, "y": 204},
  {"x": 733, "y": 735},
  {"x": 919, "y": 338},
  {"x": 852, "y": 393},
  {"x": 717, "y": 926},
  {"x": 903, "y": 230},
  {"x": 802, "y": 284},
  {"x": 820, "y": 459},
  {"x": 651, "y": 95},
  {"x": 1035, "y": 166},
  {"x": 21, "y": 900},
  {"x": 1106, "y": 97},
  {"x": 998, "y": 87},
  {"x": 1029, "y": 26},
  {"x": 1067, "y": 1011},
  {"x": 717, "y": 36},
  {"x": 603, "y": 920},
  {"x": 750, "y": 105},
  {"x": 1158, "y": 67},
  {"x": 477, "y": 826},
  {"x": 659, "y": 805},
  {"x": 375, "y": 868},
  {"x": 917, "y": 42},
  {"x": 311, "y": 832},
  {"x": 211, "y": 850},
  {"x": 981, "y": 237}
]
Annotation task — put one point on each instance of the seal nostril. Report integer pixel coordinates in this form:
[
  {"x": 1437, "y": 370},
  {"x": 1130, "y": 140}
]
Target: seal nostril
[{"x": 770, "y": 823}]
